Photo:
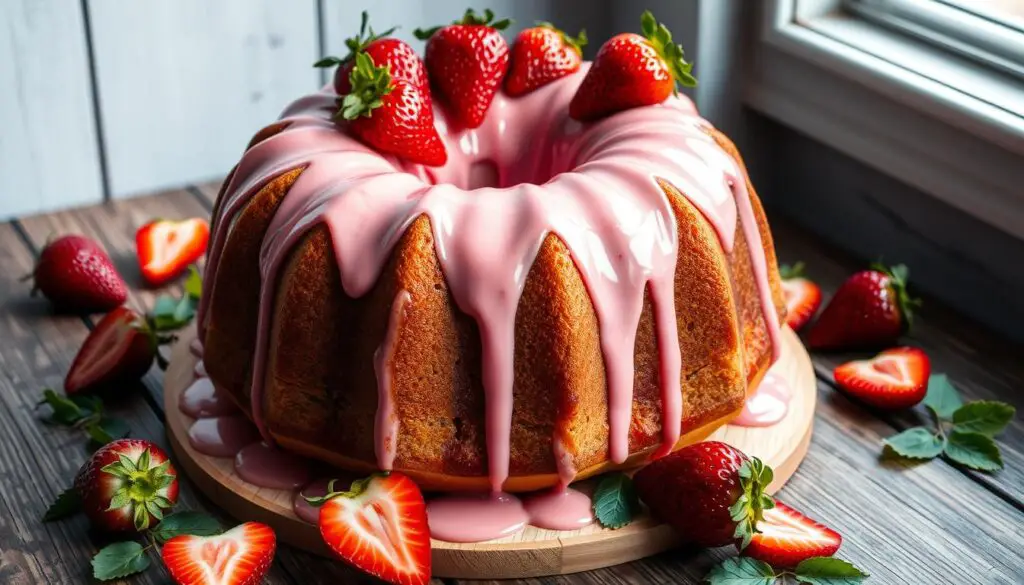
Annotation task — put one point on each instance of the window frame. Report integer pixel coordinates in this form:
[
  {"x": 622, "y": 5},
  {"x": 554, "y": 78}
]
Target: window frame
[{"x": 810, "y": 71}]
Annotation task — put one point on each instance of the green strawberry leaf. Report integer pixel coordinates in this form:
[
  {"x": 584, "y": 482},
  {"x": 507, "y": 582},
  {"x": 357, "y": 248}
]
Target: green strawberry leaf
[
  {"x": 107, "y": 430},
  {"x": 741, "y": 571},
  {"x": 915, "y": 443},
  {"x": 615, "y": 501},
  {"x": 194, "y": 523},
  {"x": 194, "y": 283},
  {"x": 942, "y": 397},
  {"x": 65, "y": 411},
  {"x": 119, "y": 560},
  {"x": 828, "y": 571},
  {"x": 974, "y": 450},
  {"x": 170, "y": 314},
  {"x": 67, "y": 504},
  {"x": 987, "y": 417}
]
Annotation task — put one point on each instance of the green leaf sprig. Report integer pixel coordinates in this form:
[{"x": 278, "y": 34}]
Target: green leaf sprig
[
  {"x": 615, "y": 502},
  {"x": 964, "y": 433},
  {"x": 813, "y": 571},
  {"x": 357, "y": 43},
  {"x": 84, "y": 413},
  {"x": 170, "y": 313},
  {"x": 129, "y": 557}
]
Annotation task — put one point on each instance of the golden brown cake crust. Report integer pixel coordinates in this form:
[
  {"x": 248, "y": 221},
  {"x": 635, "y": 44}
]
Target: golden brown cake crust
[{"x": 320, "y": 389}]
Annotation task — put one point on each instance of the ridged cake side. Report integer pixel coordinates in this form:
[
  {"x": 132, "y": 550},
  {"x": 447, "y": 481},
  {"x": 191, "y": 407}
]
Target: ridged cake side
[{"x": 320, "y": 391}]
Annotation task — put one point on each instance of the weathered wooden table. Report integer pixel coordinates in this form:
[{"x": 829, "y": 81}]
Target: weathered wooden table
[{"x": 907, "y": 524}]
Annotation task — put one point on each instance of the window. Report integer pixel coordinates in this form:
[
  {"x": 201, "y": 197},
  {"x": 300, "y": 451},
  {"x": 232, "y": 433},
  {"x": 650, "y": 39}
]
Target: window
[{"x": 990, "y": 32}]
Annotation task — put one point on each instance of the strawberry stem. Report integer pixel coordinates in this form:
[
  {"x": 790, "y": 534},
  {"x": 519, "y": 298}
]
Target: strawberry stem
[
  {"x": 355, "y": 490},
  {"x": 899, "y": 275},
  {"x": 789, "y": 272},
  {"x": 356, "y": 44},
  {"x": 369, "y": 84},
  {"x": 661, "y": 39},
  {"x": 469, "y": 18},
  {"x": 748, "y": 510}
]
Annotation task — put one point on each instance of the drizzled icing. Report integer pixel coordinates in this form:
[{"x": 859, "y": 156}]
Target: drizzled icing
[{"x": 594, "y": 186}]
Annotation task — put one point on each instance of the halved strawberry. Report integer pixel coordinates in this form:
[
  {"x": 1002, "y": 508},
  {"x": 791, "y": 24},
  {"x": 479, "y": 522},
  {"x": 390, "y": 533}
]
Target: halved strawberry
[
  {"x": 895, "y": 378},
  {"x": 785, "y": 537},
  {"x": 240, "y": 556},
  {"x": 379, "y": 526},
  {"x": 166, "y": 248},
  {"x": 120, "y": 348},
  {"x": 803, "y": 297}
]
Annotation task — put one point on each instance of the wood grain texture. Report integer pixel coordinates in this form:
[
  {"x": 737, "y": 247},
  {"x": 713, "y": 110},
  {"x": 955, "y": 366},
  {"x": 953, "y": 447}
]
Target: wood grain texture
[
  {"x": 532, "y": 552},
  {"x": 183, "y": 83},
  {"x": 981, "y": 365},
  {"x": 38, "y": 461},
  {"x": 49, "y": 156}
]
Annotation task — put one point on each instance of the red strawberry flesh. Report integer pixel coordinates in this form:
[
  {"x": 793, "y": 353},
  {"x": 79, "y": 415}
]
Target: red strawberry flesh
[
  {"x": 786, "y": 537},
  {"x": 240, "y": 556},
  {"x": 166, "y": 248},
  {"x": 896, "y": 378},
  {"x": 119, "y": 349}
]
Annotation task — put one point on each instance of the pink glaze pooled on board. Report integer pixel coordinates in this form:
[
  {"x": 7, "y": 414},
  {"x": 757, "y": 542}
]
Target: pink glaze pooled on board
[
  {"x": 200, "y": 369},
  {"x": 475, "y": 517},
  {"x": 203, "y": 400},
  {"x": 593, "y": 185},
  {"x": 303, "y": 509},
  {"x": 768, "y": 405},
  {"x": 559, "y": 509},
  {"x": 270, "y": 467},
  {"x": 222, "y": 436}
]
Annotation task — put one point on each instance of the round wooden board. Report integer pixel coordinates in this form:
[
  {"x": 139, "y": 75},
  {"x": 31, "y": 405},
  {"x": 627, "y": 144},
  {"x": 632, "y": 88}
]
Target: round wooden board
[{"x": 533, "y": 552}]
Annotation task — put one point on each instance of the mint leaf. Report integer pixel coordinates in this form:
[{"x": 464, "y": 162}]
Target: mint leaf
[
  {"x": 942, "y": 397},
  {"x": 615, "y": 501},
  {"x": 987, "y": 417},
  {"x": 169, "y": 313},
  {"x": 107, "y": 430},
  {"x": 67, "y": 504},
  {"x": 741, "y": 571},
  {"x": 194, "y": 283},
  {"x": 915, "y": 443},
  {"x": 828, "y": 571},
  {"x": 119, "y": 560},
  {"x": 974, "y": 450},
  {"x": 194, "y": 523}
]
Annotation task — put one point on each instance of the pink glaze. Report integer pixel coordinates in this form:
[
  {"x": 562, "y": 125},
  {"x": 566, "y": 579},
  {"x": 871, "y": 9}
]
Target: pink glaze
[
  {"x": 222, "y": 436},
  {"x": 475, "y": 517},
  {"x": 768, "y": 405},
  {"x": 196, "y": 347},
  {"x": 200, "y": 369},
  {"x": 593, "y": 185},
  {"x": 560, "y": 508},
  {"x": 270, "y": 467},
  {"x": 385, "y": 426},
  {"x": 203, "y": 400}
]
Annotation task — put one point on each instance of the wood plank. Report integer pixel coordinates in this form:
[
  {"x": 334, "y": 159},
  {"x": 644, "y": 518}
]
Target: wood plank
[
  {"x": 901, "y": 524},
  {"x": 981, "y": 364},
  {"x": 49, "y": 156},
  {"x": 203, "y": 76},
  {"x": 36, "y": 349}
]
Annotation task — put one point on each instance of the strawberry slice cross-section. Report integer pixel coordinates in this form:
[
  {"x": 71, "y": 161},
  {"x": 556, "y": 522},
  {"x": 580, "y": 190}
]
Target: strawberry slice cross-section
[
  {"x": 166, "y": 248},
  {"x": 896, "y": 378},
  {"x": 380, "y": 527},
  {"x": 240, "y": 556},
  {"x": 786, "y": 537}
]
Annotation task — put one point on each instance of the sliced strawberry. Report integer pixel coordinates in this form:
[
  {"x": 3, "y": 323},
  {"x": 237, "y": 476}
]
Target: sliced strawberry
[
  {"x": 119, "y": 349},
  {"x": 240, "y": 556},
  {"x": 896, "y": 378},
  {"x": 785, "y": 537},
  {"x": 541, "y": 55},
  {"x": 166, "y": 248},
  {"x": 466, "y": 62},
  {"x": 803, "y": 297},
  {"x": 380, "y": 527},
  {"x": 127, "y": 486},
  {"x": 391, "y": 115},
  {"x": 630, "y": 71}
]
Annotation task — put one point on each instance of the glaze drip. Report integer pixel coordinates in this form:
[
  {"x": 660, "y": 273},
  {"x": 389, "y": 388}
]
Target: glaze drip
[{"x": 595, "y": 186}]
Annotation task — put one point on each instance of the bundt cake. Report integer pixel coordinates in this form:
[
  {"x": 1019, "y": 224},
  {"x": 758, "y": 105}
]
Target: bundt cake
[{"x": 559, "y": 299}]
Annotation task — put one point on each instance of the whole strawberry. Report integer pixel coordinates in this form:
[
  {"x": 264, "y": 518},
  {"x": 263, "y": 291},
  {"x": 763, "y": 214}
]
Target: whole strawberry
[
  {"x": 630, "y": 71},
  {"x": 401, "y": 60},
  {"x": 871, "y": 309},
  {"x": 126, "y": 486},
  {"x": 710, "y": 492},
  {"x": 466, "y": 61},
  {"x": 77, "y": 275},
  {"x": 391, "y": 115},
  {"x": 121, "y": 348},
  {"x": 541, "y": 55}
]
